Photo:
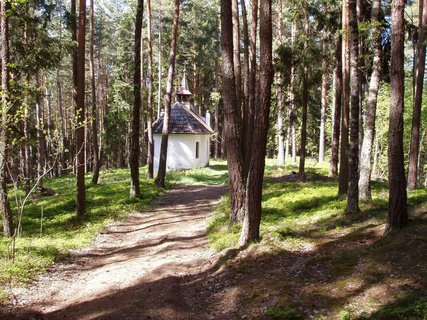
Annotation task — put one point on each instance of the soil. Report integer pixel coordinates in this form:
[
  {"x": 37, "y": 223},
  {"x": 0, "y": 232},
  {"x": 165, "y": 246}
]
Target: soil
[{"x": 153, "y": 265}]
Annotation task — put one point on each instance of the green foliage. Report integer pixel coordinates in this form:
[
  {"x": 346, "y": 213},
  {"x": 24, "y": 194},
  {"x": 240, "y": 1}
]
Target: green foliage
[{"x": 50, "y": 228}]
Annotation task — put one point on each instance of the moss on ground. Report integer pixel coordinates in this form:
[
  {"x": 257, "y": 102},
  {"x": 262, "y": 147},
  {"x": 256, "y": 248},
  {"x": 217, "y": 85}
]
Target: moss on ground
[{"x": 325, "y": 264}]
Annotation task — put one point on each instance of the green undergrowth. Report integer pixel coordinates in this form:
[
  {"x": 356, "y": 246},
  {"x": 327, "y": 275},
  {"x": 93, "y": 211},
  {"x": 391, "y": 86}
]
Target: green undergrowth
[
  {"x": 50, "y": 227},
  {"x": 341, "y": 261}
]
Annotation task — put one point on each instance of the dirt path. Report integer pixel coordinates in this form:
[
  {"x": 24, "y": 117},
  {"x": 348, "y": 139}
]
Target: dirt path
[{"x": 141, "y": 268}]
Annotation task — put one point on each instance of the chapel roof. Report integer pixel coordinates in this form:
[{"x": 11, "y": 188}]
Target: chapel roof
[{"x": 183, "y": 121}]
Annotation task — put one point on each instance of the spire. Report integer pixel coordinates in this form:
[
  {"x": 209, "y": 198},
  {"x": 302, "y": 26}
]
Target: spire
[
  {"x": 183, "y": 92},
  {"x": 184, "y": 82}
]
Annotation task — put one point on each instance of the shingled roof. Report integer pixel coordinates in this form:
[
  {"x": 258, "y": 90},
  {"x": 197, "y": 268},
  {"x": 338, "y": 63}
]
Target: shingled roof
[{"x": 183, "y": 120}]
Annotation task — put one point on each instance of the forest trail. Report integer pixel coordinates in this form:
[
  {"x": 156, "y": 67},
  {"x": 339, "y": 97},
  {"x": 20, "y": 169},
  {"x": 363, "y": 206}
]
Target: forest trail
[{"x": 144, "y": 267}]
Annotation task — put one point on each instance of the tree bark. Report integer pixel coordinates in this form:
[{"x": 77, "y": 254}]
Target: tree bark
[
  {"x": 252, "y": 218},
  {"x": 371, "y": 108},
  {"x": 281, "y": 133},
  {"x": 150, "y": 148},
  {"x": 41, "y": 138},
  {"x": 324, "y": 95},
  {"x": 232, "y": 123},
  {"x": 161, "y": 175},
  {"x": 80, "y": 112},
  {"x": 292, "y": 100},
  {"x": 281, "y": 156},
  {"x": 217, "y": 150},
  {"x": 95, "y": 115},
  {"x": 337, "y": 107},
  {"x": 6, "y": 213},
  {"x": 252, "y": 82},
  {"x": 236, "y": 53},
  {"x": 353, "y": 179},
  {"x": 343, "y": 175},
  {"x": 136, "y": 112},
  {"x": 304, "y": 109},
  {"x": 246, "y": 66},
  {"x": 414, "y": 150},
  {"x": 397, "y": 208}
]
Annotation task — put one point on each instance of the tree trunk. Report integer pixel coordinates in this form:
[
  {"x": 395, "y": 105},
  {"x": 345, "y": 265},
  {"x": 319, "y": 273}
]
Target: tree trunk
[
  {"x": 414, "y": 150},
  {"x": 292, "y": 100},
  {"x": 397, "y": 208},
  {"x": 281, "y": 133},
  {"x": 161, "y": 175},
  {"x": 252, "y": 218},
  {"x": 246, "y": 66},
  {"x": 217, "y": 146},
  {"x": 337, "y": 107},
  {"x": 95, "y": 116},
  {"x": 80, "y": 112},
  {"x": 353, "y": 180},
  {"x": 371, "y": 108},
  {"x": 159, "y": 89},
  {"x": 136, "y": 112},
  {"x": 4, "y": 61},
  {"x": 63, "y": 161},
  {"x": 232, "y": 123},
  {"x": 304, "y": 110},
  {"x": 343, "y": 176},
  {"x": 41, "y": 139},
  {"x": 252, "y": 82},
  {"x": 236, "y": 53},
  {"x": 281, "y": 156},
  {"x": 324, "y": 95},
  {"x": 150, "y": 149}
]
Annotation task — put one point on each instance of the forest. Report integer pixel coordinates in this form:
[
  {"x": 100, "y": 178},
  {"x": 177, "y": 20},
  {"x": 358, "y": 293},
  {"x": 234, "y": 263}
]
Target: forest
[{"x": 311, "y": 202}]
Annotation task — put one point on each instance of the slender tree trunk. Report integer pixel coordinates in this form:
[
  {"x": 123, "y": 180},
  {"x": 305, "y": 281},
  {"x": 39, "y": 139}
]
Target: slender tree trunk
[
  {"x": 252, "y": 82},
  {"x": 280, "y": 100},
  {"x": 150, "y": 149},
  {"x": 371, "y": 108},
  {"x": 246, "y": 66},
  {"x": 136, "y": 112},
  {"x": 337, "y": 108},
  {"x": 252, "y": 218},
  {"x": 343, "y": 175},
  {"x": 324, "y": 95},
  {"x": 161, "y": 175},
  {"x": 292, "y": 99},
  {"x": 95, "y": 116},
  {"x": 41, "y": 138},
  {"x": 62, "y": 119},
  {"x": 216, "y": 113},
  {"x": 281, "y": 133},
  {"x": 232, "y": 123},
  {"x": 236, "y": 53},
  {"x": 304, "y": 110},
  {"x": 353, "y": 181},
  {"x": 80, "y": 112},
  {"x": 397, "y": 208},
  {"x": 159, "y": 89},
  {"x": 414, "y": 150},
  {"x": 4, "y": 61}
]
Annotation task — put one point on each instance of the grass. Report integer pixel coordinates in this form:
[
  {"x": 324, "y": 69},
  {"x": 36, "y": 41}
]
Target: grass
[
  {"x": 215, "y": 174},
  {"x": 326, "y": 264},
  {"x": 50, "y": 228}
]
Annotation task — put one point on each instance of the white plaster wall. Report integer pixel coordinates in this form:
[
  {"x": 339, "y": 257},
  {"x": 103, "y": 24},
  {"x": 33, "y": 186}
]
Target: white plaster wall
[{"x": 182, "y": 151}]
